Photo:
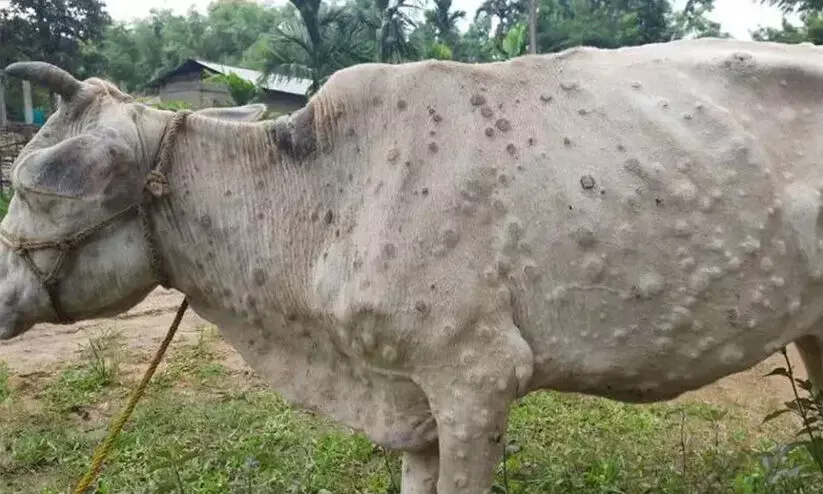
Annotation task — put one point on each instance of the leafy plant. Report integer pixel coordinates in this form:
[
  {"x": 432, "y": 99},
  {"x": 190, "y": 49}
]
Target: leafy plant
[
  {"x": 171, "y": 105},
  {"x": 514, "y": 44},
  {"x": 440, "y": 51},
  {"x": 242, "y": 91},
  {"x": 809, "y": 409}
]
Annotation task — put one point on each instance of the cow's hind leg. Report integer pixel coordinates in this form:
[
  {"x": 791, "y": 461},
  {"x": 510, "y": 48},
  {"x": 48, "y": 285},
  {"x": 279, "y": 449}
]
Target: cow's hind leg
[
  {"x": 470, "y": 393},
  {"x": 810, "y": 348},
  {"x": 420, "y": 470}
]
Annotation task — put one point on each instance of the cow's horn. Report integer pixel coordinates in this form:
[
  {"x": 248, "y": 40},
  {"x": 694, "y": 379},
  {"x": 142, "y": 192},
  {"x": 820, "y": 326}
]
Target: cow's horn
[{"x": 47, "y": 75}]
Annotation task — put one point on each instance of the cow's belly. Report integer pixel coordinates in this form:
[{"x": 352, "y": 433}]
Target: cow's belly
[
  {"x": 595, "y": 342},
  {"x": 301, "y": 362},
  {"x": 645, "y": 319}
]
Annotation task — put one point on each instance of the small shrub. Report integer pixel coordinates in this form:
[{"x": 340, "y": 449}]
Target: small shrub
[{"x": 799, "y": 462}]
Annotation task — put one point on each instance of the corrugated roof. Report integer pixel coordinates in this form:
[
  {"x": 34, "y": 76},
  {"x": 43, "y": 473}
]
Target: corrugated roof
[{"x": 278, "y": 83}]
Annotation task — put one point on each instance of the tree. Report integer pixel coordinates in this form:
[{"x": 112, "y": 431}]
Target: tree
[
  {"x": 444, "y": 22},
  {"x": 323, "y": 40},
  {"x": 810, "y": 29},
  {"x": 611, "y": 24},
  {"x": 692, "y": 21},
  {"x": 392, "y": 23},
  {"x": 232, "y": 26},
  {"x": 514, "y": 44},
  {"x": 53, "y": 31},
  {"x": 507, "y": 13},
  {"x": 477, "y": 44},
  {"x": 790, "y": 6}
]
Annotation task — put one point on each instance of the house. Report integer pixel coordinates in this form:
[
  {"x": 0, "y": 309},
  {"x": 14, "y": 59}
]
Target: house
[{"x": 186, "y": 83}]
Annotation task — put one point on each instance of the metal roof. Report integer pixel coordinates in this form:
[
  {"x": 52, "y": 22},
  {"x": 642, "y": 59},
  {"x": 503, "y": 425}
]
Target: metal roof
[{"x": 273, "y": 83}]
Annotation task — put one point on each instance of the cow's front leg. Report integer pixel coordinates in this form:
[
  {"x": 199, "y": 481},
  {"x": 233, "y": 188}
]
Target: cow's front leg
[
  {"x": 420, "y": 471},
  {"x": 470, "y": 393}
]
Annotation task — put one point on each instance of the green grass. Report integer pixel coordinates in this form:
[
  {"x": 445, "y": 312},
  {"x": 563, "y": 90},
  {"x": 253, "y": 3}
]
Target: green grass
[
  {"x": 203, "y": 428},
  {"x": 5, "y": 199}
]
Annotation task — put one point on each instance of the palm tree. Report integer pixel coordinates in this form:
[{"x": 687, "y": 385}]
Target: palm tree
[
  {"x": 391, "y": 23},
  {"x": 445, "y": 22},
  {"x": 315, "y": 44}
]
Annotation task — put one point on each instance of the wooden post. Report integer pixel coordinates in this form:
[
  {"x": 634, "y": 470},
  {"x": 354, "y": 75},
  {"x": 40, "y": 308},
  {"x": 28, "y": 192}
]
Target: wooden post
[
  {"x": 28, "y": 111},
  {"x": 3, "y": 117}
]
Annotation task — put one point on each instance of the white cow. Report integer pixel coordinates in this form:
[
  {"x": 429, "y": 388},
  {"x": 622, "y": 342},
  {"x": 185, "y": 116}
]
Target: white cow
[{"x": 424, "y": 243}]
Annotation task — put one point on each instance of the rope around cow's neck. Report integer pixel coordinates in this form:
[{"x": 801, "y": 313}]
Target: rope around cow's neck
[{"x": 156, "y": 185}]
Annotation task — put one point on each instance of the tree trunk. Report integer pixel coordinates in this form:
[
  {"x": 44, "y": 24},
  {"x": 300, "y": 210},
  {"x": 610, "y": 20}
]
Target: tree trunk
[
  {"x": 2, "y": 100},
  {"x": 532, "y": 26}
]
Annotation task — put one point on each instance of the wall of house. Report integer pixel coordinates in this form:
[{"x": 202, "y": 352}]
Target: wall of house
[
  {"x": 189, "y": 87},
  {"x": 282, "y": 103},
  {"x": 192, "y": 90}
]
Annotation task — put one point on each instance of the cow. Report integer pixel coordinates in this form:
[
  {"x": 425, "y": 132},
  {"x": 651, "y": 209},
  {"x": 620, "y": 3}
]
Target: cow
[{"x": 424, "y": 243}]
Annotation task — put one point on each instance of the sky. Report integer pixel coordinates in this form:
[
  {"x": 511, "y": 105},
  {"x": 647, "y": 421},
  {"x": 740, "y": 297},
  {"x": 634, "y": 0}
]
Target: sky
[{"x": 737, "y": 17}]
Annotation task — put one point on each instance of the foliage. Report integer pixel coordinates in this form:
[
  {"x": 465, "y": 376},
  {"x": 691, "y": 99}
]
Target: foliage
[
  {"x": 514, "y": 44},
  {"x": 440, "y": 51},
  {"x": 391, "y": 22},
  {"x": 444, "y": 22},
  {"x": 692, "y": 21},
  {"x": 5, "y": 199},
  {"x": 788, "y": 6},
  {"x": 507, "y": 13},
  {"x": 323, "y": 40},
  {"x": 811, "y": 30},
  {"x": 808, "y": 467},
  {"x": 50, "y": 30},
  {"x": 133, "y": 54},
  {"x": 241, "y": 90}
]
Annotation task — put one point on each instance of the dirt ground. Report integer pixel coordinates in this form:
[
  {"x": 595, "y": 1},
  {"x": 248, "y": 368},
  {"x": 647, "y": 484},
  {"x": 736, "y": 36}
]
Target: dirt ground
[{"x": 143, "y": 328}]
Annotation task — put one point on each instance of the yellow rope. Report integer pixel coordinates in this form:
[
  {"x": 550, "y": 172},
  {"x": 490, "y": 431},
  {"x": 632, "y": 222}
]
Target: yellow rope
[{"x": 104, "y": 448}]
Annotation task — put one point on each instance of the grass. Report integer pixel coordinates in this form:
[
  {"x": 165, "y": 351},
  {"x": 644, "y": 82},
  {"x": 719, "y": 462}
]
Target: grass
[
  {"x": 205, "y": 428},
  {"x": 5, "y": 199}
]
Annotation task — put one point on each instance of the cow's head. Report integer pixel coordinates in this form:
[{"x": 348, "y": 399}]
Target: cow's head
[{"x": 84, "y": 171}]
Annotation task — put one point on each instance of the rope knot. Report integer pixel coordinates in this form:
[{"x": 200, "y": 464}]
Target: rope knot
[
  {"x": 65, "y": 244},
  {"x": 157, "y": 184}
]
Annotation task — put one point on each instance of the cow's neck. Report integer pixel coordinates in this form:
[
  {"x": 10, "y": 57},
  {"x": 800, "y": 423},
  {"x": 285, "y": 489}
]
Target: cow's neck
[{"x": 242, "y": 225}]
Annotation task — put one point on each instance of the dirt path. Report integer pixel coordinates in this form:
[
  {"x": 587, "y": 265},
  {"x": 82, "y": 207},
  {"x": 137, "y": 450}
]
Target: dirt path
[{"x": 143, "y": 329}]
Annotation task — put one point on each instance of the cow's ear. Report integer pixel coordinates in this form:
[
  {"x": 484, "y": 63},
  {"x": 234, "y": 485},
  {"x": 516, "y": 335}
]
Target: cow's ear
[
  {"x": 97, "y": 164},
  {"x": 294, "y": 133},
  {"x": 245, "y": 113}
]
